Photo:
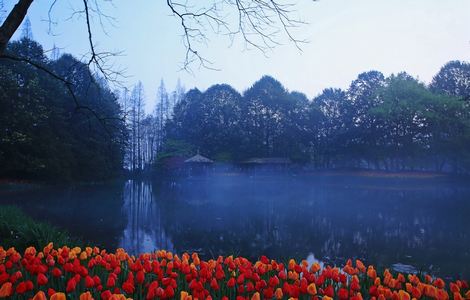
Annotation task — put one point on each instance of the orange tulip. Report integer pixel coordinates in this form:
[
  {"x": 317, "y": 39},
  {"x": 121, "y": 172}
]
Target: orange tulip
[
  {"x": 255, "y": 296},
  {"x": 183, "y": 295},
  {"x": 312, "y": 289},
  {"x": 454, "y": 288},
  {"x": 377, "y": 281},
  {"x": 58, "y": 296},
  {"x": 86, "y": 296},
  {"x": 40, "y": 296},
  {"x": 292, "y": 264},
  {"x": 278, "y": 293},
  {"x": 360, "y": 266},
  {"x": 315, "y": 268},
  {"x": 457, "y": 296},
  {"x": 5, "y": 290},
  {"x": 83, "y": 255},
  {"x": 403, "y": 295},
  {"x": 442, "y": 295},
  {"x": 371, "y": 272}
]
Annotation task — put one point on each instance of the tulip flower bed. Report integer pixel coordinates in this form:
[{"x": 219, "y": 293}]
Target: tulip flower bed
[{"x": 92, "y": 273}]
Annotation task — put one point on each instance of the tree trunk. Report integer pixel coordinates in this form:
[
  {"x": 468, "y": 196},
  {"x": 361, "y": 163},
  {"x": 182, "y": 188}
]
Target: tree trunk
[{"x": 12, "y": 22}]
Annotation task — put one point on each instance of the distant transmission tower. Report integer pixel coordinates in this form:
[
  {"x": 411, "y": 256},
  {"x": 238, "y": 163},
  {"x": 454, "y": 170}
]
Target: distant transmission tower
[
  {"x": 27, "y": 33},
  {"x": 55, "y": 53}
]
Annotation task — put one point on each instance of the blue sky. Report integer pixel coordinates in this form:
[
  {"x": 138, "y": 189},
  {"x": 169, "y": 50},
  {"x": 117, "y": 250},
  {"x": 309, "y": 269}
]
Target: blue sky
[{"x": 346, "y": 37}]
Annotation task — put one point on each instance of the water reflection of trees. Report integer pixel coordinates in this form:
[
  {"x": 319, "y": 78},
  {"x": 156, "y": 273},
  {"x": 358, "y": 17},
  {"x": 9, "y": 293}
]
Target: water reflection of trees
[
  {"x": 252, "y": 217},
  {"x": 144, "y": 231},
  {"x": 281, "y": 218}
]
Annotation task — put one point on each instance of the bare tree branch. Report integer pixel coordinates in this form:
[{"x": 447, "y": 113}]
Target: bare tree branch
[{"x": 259, "y": 22}]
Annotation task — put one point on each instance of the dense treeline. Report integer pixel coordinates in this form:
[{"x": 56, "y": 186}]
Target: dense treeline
[
  {"x": 394, "y": 123},
  {"x": 43, "y": 132}
]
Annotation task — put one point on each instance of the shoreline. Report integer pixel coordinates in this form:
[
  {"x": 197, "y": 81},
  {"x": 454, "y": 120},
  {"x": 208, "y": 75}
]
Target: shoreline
[{"x": 8, "y": 184}]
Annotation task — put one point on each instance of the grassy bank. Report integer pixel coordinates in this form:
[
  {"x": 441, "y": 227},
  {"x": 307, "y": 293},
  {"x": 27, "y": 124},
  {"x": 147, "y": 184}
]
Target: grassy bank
[{"x": 20, "y": 231}]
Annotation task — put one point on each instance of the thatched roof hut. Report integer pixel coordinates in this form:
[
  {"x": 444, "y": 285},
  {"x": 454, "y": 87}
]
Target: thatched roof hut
[{"x": 199, "y": 159}]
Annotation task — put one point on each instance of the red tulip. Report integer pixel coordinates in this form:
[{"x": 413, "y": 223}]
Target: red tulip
[
  {"x": 50, "y": 292},
  {"x": 42, "y": 279},
  {"x": 111, "y": 282},
  {"x": 268, "y": 293},
  {"x": 329, "y": 291},
  {"x": 21, "y": 288},
  {"x": 214, "y": 284},
  {"x": 140, "y": 277},
  {"x": 89, "y": 283},
  {"x": 71, "y": 285},
  {"x": 343, "y": 294},
  {"x": 273, "y": 281},
  {"x": 128, "y": 287},
  {"x": 106, "y": 295},
  {"x": 56, "y": 272},
  {"x": 282, "y": 275},
  {"x": 250, "y": 287},
  {"x": 4, "y": 277},
  {"x": 96, "y": 280},
  {"x": 231, "y": 282},
  {"x": 169, "y": 292}
]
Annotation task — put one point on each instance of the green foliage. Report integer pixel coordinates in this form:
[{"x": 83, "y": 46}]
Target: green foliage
[
  {"x": 20, "y": 231},
  {"x": 453, "y": 79},
  {"x": 394, "y": 123},
  {"x": 266, "y": 121},
  {"x": 175, "y": 148},
  {"x": 42, "y": 133}
]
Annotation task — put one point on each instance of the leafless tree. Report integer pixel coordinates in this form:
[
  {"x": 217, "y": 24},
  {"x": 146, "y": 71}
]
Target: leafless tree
[{"x": 260, "y": 23}]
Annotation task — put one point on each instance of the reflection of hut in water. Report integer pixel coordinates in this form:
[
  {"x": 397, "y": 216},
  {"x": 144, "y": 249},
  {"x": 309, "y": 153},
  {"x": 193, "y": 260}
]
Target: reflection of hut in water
[
  {"x": 198, "y": 164},
  {"x": 268, "y": 163},
  {"x": 172, "y": 164}
]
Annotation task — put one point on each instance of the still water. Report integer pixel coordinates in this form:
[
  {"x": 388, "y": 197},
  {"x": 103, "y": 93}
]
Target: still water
[{"x": 414, "y": 225}]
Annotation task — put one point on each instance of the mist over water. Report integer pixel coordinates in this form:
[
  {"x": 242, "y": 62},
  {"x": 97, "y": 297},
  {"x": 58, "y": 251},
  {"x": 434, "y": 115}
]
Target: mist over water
[{"x": 419, "y": 224}]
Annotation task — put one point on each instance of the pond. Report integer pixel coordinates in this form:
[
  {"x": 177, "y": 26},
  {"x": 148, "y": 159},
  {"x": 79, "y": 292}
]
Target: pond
[{"x": 406, "y": 224}]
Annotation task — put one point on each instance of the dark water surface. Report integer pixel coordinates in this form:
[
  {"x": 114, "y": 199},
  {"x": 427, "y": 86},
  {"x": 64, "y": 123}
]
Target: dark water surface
[{"x": 421, "y": 225}]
